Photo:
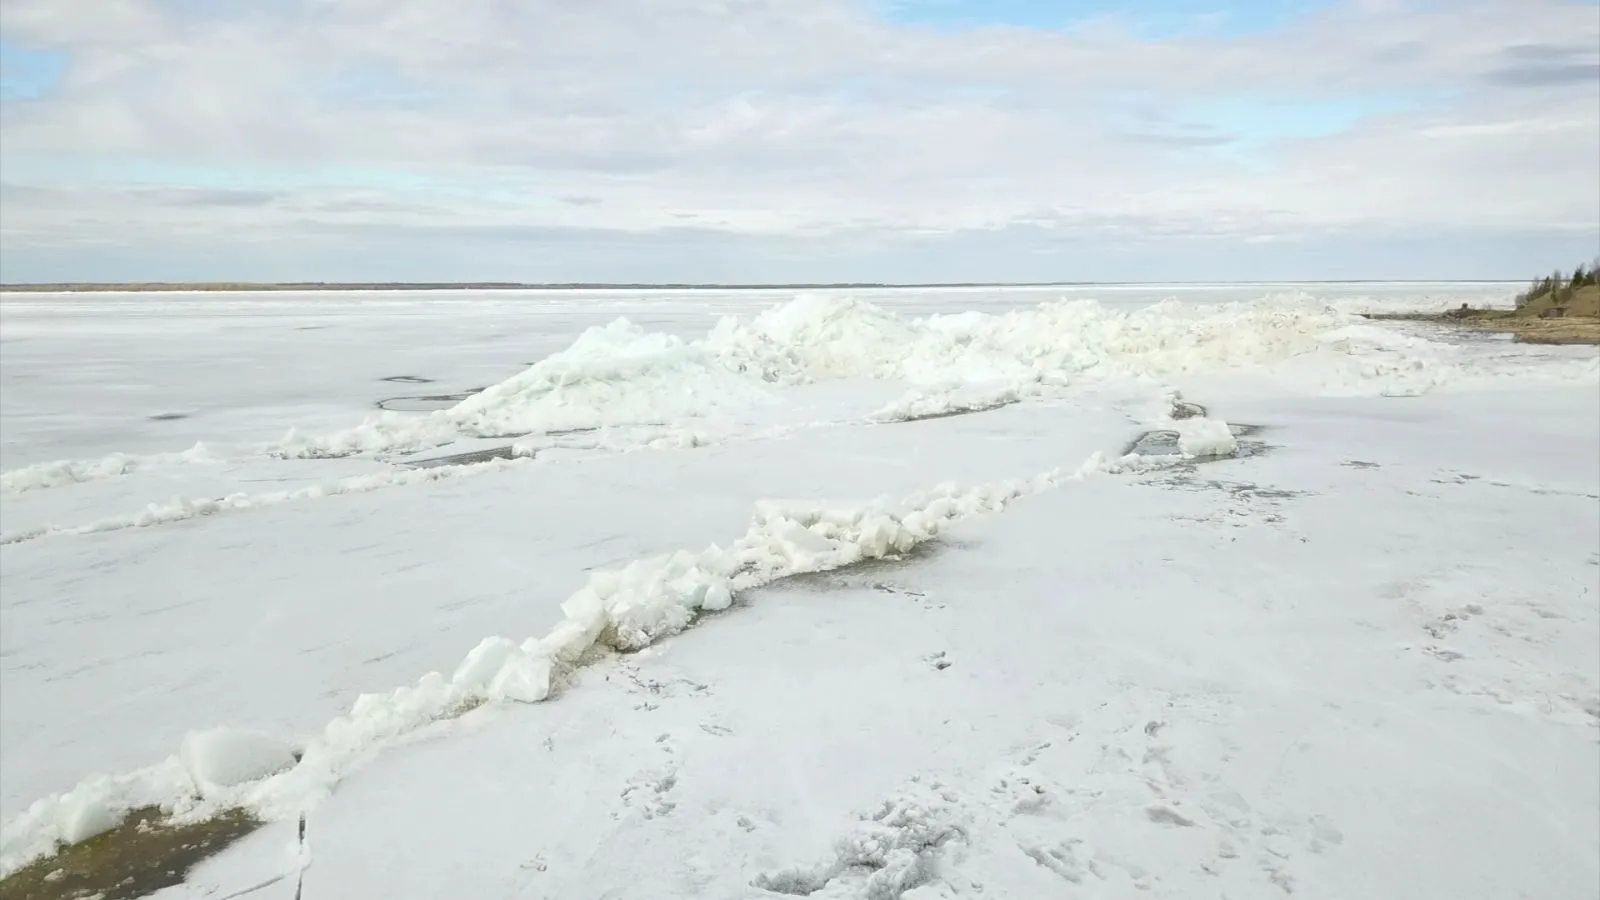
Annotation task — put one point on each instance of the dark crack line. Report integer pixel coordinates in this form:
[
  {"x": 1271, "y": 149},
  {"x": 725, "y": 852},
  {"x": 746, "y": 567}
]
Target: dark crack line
[
  {"x": 251, "y": 890},
  {"x": 305, "y": 861},
  {"x": 949, "y": 413},
  {"x": 472, "y": 457}
]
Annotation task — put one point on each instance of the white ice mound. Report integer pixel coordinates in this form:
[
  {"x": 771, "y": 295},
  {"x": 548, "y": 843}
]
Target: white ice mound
[
  {"x": 618, "y": 374},
  {"x": 621, "y": 375},
  {"x": 830, "y": 337},
  {"x": 813, "y": 337},
  {"x": 611, "y": 376},
  {"x": 1200, "y": 437},
  {"x": 85, "y": 814},
  {"x": 225, "y": 757},
  {"x": 499, "y": 669}
]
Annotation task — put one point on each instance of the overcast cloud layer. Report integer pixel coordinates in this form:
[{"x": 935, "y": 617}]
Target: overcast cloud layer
[{"x": 783, "y": 140}]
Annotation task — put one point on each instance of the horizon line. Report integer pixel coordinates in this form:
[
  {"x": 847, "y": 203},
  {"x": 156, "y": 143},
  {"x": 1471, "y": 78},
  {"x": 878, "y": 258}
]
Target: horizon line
[{"x": 276, "y": 286}]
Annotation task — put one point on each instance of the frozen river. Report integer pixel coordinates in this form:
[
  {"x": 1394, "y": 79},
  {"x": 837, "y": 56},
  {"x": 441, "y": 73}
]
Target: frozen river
[{"x": 1358, "y": 659}]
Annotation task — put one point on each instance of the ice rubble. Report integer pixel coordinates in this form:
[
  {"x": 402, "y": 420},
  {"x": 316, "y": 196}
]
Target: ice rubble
[
  {"x": 888, "y": 853},
  {"x": 620, "y": 375},
  {"x": 625, "y": 609},
  {"x": 951, "y": 400},
  {"x": 1187, "y": 427},
  {"x": 181, "y": 508},
  {"x": 613, "y": 375},
  {"x": 834, "y": 337},
  {"x": 67, "y": 471},
  {"x": 1201, "y": 437}
]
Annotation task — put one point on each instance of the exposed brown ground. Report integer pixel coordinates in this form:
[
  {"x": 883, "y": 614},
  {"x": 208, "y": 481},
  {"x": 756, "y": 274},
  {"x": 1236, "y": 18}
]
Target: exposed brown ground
[
  {"x": 1583, "y": 302},
  {"x": 1565, "y": 330},
  {"x": 145, "y": 854},
  {"x": 1579, "y": 325}
]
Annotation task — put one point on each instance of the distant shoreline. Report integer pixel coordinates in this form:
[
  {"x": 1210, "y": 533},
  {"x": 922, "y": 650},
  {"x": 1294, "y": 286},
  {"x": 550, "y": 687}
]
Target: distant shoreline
[{"x": 245, "y": 286}]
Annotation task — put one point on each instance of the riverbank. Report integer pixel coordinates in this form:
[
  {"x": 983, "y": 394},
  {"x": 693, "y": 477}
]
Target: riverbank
[{"x": 1578, "y": 320}]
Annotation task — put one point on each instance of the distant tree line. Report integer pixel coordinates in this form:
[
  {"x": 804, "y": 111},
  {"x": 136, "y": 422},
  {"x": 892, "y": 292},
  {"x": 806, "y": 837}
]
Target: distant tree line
[{"x": 1560, "y": 287}]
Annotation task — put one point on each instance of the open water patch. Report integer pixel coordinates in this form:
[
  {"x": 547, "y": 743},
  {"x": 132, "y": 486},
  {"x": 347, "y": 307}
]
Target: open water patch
[
  {"x": 1164, "y": 442},
  {"x": 427, "y": 402}
]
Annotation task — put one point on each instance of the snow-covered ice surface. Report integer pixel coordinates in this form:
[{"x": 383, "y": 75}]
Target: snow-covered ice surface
[
  {"x": 88, "y": 376},
  {"x": 1362, "y": 659}
]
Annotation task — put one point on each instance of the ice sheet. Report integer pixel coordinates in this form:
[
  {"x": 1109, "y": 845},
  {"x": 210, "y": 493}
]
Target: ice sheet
[
  {"x": 1301, "y": 672},
  {"x": 237, "y": 588}
]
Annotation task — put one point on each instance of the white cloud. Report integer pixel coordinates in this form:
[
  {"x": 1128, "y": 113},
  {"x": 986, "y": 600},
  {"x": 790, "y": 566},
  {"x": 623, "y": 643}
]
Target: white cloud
[{"x": 779, "y": 118}]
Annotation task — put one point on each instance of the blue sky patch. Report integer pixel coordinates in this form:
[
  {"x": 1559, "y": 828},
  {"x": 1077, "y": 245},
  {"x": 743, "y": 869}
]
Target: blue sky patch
[
  {"x": 27, "y": 73},
  {"x": 1150, "y": 19},
  {"x": 1269, "y": 118},
  {"x": 1244, "y": 127}
]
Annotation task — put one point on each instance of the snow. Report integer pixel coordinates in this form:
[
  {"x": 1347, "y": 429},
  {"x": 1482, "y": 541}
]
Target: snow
[
  {"x": 1154, "y": 687},
  {"x": 1036, "y": 665},
  {"x": 632, "y": 608}
]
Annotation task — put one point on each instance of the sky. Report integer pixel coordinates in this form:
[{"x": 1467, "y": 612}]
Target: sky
[{"x": 762, "y": 141}]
